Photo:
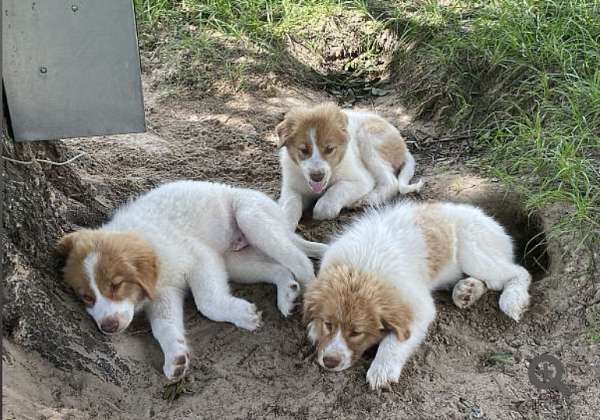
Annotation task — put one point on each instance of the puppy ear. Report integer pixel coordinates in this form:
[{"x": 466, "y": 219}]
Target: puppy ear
[
  {"x": 283, "y": 133},
  {"x": 146, "y": 276},
  {"x": 396, "y": 317},
  {"x": 310, "y": 303},
  {"x": 341, "y": 119},
  {"x": 67, "y": 243}
]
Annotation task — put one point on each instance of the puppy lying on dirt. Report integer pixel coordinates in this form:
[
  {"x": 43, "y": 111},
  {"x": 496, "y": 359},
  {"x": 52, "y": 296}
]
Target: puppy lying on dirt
[
  {"x": 375, "y": 282},
  {"x": 183, "y": 235},
  {"x": 340, "y": 158}
]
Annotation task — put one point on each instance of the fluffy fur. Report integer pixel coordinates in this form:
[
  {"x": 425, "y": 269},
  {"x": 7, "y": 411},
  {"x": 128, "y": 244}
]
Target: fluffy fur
[
  {"x": 340, "y": 158},
  {"x": 186, "y": 235},
  {"x": 375, "y": 281}
]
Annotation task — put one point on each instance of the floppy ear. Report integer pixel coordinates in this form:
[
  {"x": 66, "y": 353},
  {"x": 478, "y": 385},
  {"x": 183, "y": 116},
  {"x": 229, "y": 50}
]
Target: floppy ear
[
  {"x": 67, "y": 243},
  {"x": 146, "y": 272},
  {"x": 341, "y": 119},
  {"x": 283, "y": 133},
  {"x": 396, "y": 317},
  {"x": 310, "y": 302}
]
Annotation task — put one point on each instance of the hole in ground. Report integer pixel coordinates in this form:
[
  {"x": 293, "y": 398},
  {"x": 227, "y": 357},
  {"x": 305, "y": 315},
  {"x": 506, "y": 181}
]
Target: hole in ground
[{"x": 527, "y": 230}]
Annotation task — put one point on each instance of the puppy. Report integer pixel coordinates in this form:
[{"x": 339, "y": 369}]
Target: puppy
[
  {"x": 340, "y": 158},
  {"x": 184, "y": 235},
  {"x": 375, "y": 282}
]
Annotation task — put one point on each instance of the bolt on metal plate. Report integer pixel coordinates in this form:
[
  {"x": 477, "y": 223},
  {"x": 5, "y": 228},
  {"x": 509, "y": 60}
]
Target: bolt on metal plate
[{"x": 71, "y": 68}]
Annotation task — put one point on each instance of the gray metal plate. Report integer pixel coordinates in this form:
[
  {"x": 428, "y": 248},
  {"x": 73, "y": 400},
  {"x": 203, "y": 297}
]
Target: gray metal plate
[{"x": 71, "y": 68}]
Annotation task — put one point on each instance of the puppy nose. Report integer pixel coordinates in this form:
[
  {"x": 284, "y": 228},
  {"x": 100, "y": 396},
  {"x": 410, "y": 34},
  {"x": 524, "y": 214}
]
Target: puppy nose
[
  {"x": 317, "y": 176},
  {"x": 331, "y": 362},
  {"x": 109, "y": 325}
]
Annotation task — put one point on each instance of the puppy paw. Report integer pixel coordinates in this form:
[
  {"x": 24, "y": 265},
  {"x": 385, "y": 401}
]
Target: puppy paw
[
  {"x": 287, "y": 293},
  {"x": 246, "y": 316},
  {"x": 382, "y": 375},
  {"x": 238, "y": 243},
  {"x": 176, "y": 363},
  {"x": 467, "y": 291},
  {"x": 514, "y": 302},
  {"x": 324, "y": 210}
]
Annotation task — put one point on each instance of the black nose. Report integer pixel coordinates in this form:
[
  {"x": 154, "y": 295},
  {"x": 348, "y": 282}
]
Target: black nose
[
  {"x": 109, "y": 325},
  {"x": 317, "y": 176},
  {"x": 331, "y": 362}
]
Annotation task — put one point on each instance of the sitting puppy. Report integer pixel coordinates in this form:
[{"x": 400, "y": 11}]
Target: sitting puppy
[
  {"x": 375, "y": 282},
  {"x": 183, "y": 235},
  {"x": 340, "y": 158}
]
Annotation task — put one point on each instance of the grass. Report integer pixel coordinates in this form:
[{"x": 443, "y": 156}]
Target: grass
[{"x": 522, "y": 75}]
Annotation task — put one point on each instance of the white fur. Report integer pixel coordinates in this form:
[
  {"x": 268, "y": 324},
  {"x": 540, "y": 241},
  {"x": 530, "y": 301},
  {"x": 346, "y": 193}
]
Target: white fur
[
  {"x": 194, "y": 228},
  {"x": 362, "y": 176},
  {"x": 104, "y": 308},
  {"x": 337, "y": 348},
  {"x": 390, "y": 244}
]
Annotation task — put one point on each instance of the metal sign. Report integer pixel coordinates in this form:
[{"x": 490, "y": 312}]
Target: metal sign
[{"x": 71, "y": 68}]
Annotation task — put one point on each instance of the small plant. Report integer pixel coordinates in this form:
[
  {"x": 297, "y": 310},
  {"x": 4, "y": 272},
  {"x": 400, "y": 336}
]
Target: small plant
[
  {"x": 173, "y": 391},
  {"x": 498, "y": 359}
]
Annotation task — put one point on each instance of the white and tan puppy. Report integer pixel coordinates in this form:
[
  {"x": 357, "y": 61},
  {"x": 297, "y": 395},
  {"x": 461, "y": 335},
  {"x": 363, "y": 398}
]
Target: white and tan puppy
[
  {"x": 375, "y": 282},
  {"x": 340, "y": 158},
  {"x": 186, "y": 235}
]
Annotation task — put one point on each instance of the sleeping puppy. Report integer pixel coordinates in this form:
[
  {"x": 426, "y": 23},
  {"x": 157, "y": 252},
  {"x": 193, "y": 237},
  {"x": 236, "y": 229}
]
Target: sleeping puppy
[
  {"x": 184, "y": 235},
  {"x": 375, "y": 282},
  {"x": 340, "y": 158}
]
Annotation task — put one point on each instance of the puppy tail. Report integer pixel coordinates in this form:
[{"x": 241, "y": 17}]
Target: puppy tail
[
  {"x": 406, "y": 174},
  {"x": 312, "y": 249}
]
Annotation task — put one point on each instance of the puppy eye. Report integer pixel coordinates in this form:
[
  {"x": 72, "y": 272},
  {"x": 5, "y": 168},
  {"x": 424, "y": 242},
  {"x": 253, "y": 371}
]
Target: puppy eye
[
  {"x": 87, "y": 299},
  {"x": 115, "y": 286},
  {"x": 355, "y": 334},
  {"x": 329, "y": 149},
  {"x": 327, "y": 325},
  {"x": 304, "y": 150}
]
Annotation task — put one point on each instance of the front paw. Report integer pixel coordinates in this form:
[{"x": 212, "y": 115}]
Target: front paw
[
  {"x": 246, "y": 316},
  {"x": 382, "y": 375},
  {"x": 176, "y": 364},
  {"x": 287, "y": 292},
  {"x": 325, "y": 210}
]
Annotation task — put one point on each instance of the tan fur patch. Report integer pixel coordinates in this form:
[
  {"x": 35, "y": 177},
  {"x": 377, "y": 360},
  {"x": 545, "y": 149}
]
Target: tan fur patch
[
  {"x": 127, "y": 266},
  {"x": 390, "y": 144},
  {"x": 330, "y": 125},
  {"x": 364, "y": 307},
  {"x": 393, "y": 151},
  {"x": 439, "y": 236}
]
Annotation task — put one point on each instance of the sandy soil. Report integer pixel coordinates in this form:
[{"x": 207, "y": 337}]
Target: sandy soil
[{"x": 271, "y": 373}]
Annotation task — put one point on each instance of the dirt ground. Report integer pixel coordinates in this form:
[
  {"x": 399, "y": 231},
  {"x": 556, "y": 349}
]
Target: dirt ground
[{"x": 474, "y": 363}]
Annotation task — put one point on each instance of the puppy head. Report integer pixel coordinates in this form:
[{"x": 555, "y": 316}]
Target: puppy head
[
  {"x": 316, "y": 139},
  {"x": 112, "y": 272},
  {"x": 348, "y": 311}
]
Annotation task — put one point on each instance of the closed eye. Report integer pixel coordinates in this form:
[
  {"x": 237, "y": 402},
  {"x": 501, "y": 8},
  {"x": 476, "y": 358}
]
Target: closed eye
[
  {"x": 355, "y": 334},
  {"x": 304, "y": 150},
  {"x": 88, "y": 299},
  {"x": 115, "y": 287}
]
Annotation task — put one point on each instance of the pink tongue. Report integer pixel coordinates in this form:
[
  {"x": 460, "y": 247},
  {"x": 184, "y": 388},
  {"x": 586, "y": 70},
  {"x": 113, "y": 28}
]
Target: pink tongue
[{"x": 316, "y": 186}]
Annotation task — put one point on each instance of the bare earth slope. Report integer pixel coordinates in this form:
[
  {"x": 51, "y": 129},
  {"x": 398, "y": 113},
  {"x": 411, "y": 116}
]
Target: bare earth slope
[{"x": 473, "y": 364}]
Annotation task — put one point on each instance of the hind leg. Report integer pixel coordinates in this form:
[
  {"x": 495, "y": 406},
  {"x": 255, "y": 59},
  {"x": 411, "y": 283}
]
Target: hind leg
[
  {"x": 250, "y": 266},
  {"x": 468, "y": 291},
  {"x": 213, "y": 297},
  {"x": 499, "y": 273},
  {"x": 272, "y": 237}
]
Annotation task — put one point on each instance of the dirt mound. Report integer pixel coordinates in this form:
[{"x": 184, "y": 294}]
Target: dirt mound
[{"x": 58, "y": 365}]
